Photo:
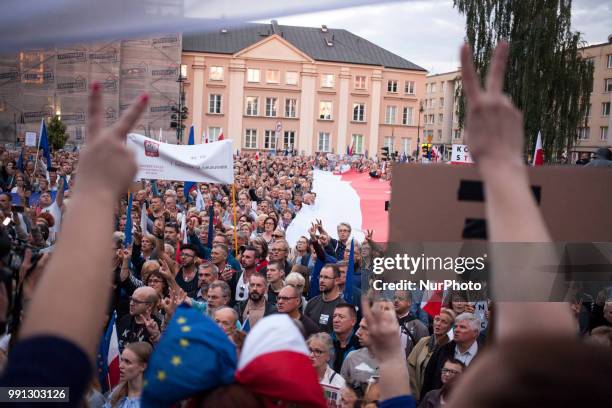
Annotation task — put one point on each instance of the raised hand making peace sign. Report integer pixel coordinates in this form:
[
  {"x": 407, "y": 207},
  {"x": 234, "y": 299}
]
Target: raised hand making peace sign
[{"x": 494, "y": 126}]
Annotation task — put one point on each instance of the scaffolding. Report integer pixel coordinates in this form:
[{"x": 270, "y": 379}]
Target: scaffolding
[{"x": 37, "y": 84}]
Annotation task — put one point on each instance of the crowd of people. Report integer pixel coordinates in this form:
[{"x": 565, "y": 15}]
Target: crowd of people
[{"x": 221, "y": 251}]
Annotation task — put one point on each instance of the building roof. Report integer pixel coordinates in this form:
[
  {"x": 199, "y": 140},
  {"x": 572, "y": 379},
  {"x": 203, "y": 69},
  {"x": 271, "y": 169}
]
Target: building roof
[{"x": 347, "y": 47}]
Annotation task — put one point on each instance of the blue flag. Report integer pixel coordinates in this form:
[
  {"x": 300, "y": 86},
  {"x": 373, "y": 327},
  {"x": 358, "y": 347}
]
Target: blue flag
[
  {"x": 211, "y": 216},
  {"x": 189, "y": 184},
  {"x": 348, "y": 287},
  {"x": 193, "y": 355},
  {"x": 128, "y": 222},
  {"x": 43, "y": 143},
  {"x": 21, "y": 162}
]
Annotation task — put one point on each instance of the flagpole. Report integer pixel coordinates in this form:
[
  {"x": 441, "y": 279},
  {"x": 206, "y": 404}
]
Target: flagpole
[
  {"x": 235, "y": 216},
  {"x": 38, "y": 147}
]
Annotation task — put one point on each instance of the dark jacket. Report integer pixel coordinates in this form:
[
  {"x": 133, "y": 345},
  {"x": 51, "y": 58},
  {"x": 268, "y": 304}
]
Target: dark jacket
[
  {"x": 240, "y": 306},
  {"x": 603, "y": 158},
  {"x": 341, "y": 353},
  {"x": 432, "y": 377}
]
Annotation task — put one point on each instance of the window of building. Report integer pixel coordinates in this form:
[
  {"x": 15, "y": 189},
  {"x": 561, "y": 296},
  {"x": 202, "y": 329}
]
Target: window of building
[
  {"x": 432, "y": 103},
  {"x": 440, "y": 118},
  {"x": 584, "y": 133},
  {"x": 184, "y": 71},
  {"x": 443, "y": 86},
  {"x": 291, "y": 78},
  {"x": 608, "y": 85},
  {"x": 390, "y": 115},
  {"x": 216, "y": 73},
  {"x": 289, "y": 139},
  {"x": 327, "y": 80},
  {"x": 407, "y": 115},
  {"x": 603, "y": 133},
  {"x": 609, "y": 60},
  {"x": 433, "y": 87},
  {"x": 250, "y": 139},
  {"x": 389, "y": 143},
  {"x": 213, "y": 133},
  {"x": 214, "y": 103},
  {"x": 457, "y": 134},
  {"x": 323, "y": 142},
  {"x": 253, "y": 75},
  {"x": 392, "y": 86},
  {"x": 360, "y": 82},
  {"x": 441, "y": 101},
  {"x": 359, "y": 112},
  {"x": 270, "y": 139},
  {"x": 439, "y": 134},
  {"x": 252, "y": 105},
  {"x": 290, "y": 108},
  {"x": 325, "y": 110},
  {"x": 409, "y": 87},
  {"x": 605, "y": 109},
  {"x": 271, "y": 107},
  {"x": 427, "y": 88},
  {"x": 272, "y": 76},
  {"x": 588, "y": 112},
  {"x": 406, "y": 146},
  {"x": 357, "y": 144}
]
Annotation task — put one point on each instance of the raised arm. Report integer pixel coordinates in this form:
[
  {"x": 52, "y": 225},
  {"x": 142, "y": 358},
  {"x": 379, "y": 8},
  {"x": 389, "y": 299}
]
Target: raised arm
[
  {"x": 75, "y": 278},
  {"x": 494, "y": 132}
]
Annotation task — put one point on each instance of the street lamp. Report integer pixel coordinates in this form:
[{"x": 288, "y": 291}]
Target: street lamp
[
  {"x": 180, "y": 113},
  {"x": 419, "y": 130}
]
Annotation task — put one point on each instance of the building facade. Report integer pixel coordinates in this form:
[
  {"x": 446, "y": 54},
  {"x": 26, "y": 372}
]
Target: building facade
[
  {"x": 595, "y": 132},
  {"x": 267, "y": 86},
  {"x": 440, "y": 118}
]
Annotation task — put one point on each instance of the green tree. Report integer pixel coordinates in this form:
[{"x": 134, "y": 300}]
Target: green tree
[
  {"x": 57, "y": 133},
  {"x": 546, "y": 77}
]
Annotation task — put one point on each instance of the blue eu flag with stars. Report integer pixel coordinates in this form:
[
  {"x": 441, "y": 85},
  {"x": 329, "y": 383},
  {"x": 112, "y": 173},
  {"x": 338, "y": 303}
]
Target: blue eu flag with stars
[{"x": 193, "y": 355}]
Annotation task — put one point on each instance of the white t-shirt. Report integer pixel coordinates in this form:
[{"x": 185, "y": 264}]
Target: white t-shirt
[
  {"x": 332, "y": 383},
  {"x": 56, "y": 212}
]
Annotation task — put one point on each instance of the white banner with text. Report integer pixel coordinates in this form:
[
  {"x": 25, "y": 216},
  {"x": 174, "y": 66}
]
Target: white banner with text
[{"x": 204, "y": 163}]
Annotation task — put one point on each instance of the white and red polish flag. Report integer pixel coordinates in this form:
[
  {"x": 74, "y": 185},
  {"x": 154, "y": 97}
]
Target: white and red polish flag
[
  {"x": 275, "y": 363},
  {"x": 538, "y": 154},
  {"x": 432, "y": 302},
  {"x": 221, "y": 137}
]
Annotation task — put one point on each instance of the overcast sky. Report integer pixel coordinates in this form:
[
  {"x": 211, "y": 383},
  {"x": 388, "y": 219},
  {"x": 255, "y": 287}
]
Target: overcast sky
[{"x": 429, "y": 32}]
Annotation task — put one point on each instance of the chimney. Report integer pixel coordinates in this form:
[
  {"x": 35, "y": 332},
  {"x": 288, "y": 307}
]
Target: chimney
[
  {"x": 610, "y": 38},
  {"x": 275, "y": 29}
]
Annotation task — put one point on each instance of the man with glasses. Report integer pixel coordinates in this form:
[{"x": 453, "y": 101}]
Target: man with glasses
[
  {"x": 321, "y": 308},
  {"x": 218, "y": 295},
  {"x": 256, "y": 307},
  {"x": 139, "y": 324},
  {"x": 279, "y": 252},
  {"x": 289, "y": 301},
  {"x": 186, "y": 277},
  {"x": 450, "y": 371},
  {"x": 411, "y": 329},
  {"x": 336, "y": 247}
]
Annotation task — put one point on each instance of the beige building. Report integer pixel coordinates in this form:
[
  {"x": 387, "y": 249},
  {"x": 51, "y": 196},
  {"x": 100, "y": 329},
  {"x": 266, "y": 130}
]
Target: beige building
[
  {"x": 596, "y": 131},
  {"x": 268, "y": 86},
  {"x": 440, "y": 120}
]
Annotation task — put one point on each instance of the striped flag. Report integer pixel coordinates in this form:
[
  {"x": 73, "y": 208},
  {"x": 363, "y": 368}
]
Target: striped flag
[
  {"x": 538, "y": 154},
  {"x": 108, "y": 357},
  {"x": 221, "y": 137},
  {"x": 432, "y": 302},
  {"x": 189, "y": 185}
]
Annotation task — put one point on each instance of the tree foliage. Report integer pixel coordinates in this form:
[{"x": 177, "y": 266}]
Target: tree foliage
[
  {"x": 546, "y": 77},
  {"x": 57, "y": 133}
]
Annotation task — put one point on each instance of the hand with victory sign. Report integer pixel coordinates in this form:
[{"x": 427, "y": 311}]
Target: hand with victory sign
[{"x": 493, "y": 125}]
